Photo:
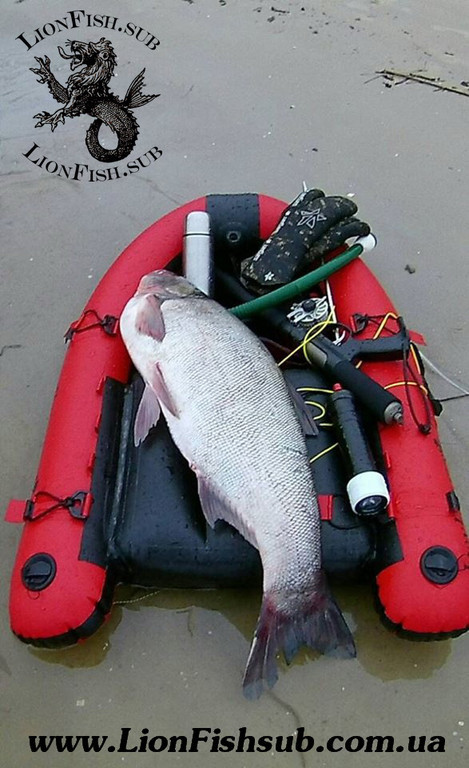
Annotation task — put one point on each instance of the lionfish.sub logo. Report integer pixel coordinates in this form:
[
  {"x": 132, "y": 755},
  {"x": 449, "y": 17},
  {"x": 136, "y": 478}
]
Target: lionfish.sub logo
[{"x": 87, "y": 92}]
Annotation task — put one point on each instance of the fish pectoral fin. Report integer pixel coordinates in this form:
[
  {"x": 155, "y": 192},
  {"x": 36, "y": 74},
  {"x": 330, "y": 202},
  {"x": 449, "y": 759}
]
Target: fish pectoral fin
[
  {"x": 158, "y": 384},
  {"x": 215, "y": 507},
  {"x": 309, "y": 426},
  {"x": 147, "y": 416},
  {"x": 149, "y": 319}
]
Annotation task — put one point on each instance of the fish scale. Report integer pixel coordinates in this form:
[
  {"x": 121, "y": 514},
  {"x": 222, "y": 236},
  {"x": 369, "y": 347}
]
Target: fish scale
[
  {"x": 264, "y": 445},
  {"x": 230, "y": 413}
]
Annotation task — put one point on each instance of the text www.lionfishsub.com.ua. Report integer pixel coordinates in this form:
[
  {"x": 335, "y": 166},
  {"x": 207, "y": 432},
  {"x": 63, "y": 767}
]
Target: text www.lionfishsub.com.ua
[{"x": 130, "y": 740}]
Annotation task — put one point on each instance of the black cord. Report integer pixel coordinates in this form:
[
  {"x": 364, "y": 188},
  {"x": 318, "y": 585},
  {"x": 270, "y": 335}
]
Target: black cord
[
  {"x": 453, "y": 397},
  {"x": 424, "y": 427}
]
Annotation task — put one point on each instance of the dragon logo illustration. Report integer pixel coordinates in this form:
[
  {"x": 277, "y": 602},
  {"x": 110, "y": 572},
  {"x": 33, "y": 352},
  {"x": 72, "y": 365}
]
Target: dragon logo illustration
[{"x": 87, "y": 92}]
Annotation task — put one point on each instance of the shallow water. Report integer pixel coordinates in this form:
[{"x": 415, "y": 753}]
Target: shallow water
[{"x": 252, "y": 99}]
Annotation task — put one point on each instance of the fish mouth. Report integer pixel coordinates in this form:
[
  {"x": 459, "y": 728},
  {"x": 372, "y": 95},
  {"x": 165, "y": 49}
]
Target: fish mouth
[
  {"x": 77, "y": 55},
  {"x": 166, "y": 285}
]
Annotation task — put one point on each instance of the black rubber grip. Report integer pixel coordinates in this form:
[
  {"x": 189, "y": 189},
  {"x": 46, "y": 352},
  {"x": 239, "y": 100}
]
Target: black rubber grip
[
  {"x": 351, "y": 434},
  {"x": 366, "y": 390}
]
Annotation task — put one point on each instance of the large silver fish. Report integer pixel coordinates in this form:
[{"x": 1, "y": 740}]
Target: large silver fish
[{"x": 231, "y": 415}]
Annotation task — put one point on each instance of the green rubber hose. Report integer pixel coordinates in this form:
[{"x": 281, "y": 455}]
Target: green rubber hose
[{"x": 296, "y": 287}]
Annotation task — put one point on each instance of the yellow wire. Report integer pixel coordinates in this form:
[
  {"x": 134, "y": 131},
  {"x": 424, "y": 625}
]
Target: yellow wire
[
  {"x": 408, "y": 383},
  {"x": 416, "y": 359},
  {"x": 314, "y": 331},
  {"x": 383, "y": 323},
  {"x": 317, "y": 330},
  {"x": 315, "y": 389},
  {"x": 319, "y": 406},
  {"x": 323, "y": 453}
]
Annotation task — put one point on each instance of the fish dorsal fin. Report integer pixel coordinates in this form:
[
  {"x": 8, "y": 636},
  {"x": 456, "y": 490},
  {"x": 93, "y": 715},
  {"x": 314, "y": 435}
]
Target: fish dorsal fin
[
  {"x": 147, "y": 416},
  {"x": 158, "y": 385},
  {"x": 149, "y": 319},
  {"x": 216, "y": 506}
]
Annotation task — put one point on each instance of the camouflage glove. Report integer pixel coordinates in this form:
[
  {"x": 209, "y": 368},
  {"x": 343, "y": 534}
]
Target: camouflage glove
[{"x": 311, "y": 226}]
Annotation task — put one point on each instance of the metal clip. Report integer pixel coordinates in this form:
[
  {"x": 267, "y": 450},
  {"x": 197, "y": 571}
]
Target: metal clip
[{"x": 309, "y": 311}]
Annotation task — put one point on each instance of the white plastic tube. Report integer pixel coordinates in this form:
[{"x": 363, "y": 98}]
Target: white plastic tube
[{"x": 197, "y": 261}]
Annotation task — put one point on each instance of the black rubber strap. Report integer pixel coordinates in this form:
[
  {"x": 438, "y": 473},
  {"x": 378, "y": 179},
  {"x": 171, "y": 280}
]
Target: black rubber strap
[{"x": 234, "y": 225}]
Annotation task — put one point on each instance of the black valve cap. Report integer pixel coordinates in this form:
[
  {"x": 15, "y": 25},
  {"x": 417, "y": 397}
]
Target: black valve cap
[
  {"x": 439, "y": 565},
  {"x": 38, "y": 572}
]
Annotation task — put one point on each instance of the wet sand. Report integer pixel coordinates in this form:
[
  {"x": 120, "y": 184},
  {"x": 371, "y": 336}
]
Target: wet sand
[{"x": 252, "y": 99}]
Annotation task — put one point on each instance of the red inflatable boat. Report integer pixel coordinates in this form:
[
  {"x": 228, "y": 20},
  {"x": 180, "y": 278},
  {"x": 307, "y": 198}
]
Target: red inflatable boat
[{"x": 63, "y": 581}]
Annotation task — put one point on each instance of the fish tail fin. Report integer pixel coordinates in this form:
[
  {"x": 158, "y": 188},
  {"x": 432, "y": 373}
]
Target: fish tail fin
[{"x": 288, "y": 621}]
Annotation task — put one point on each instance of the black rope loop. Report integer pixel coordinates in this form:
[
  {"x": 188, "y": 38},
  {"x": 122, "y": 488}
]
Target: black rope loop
[
  {"x": 107, "y": 323},
  {"x": 74, "y": 505}
]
